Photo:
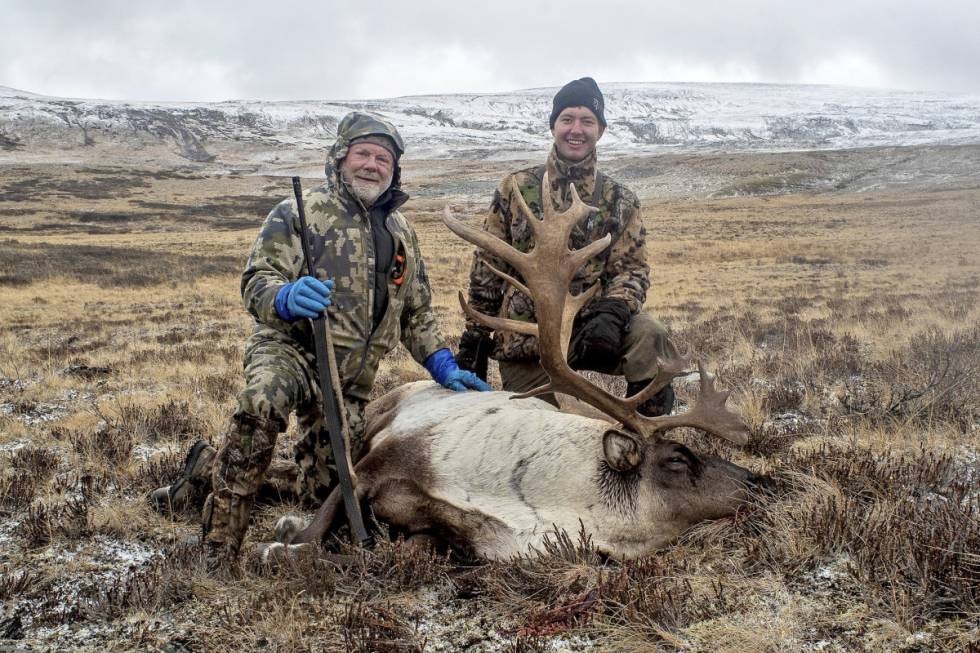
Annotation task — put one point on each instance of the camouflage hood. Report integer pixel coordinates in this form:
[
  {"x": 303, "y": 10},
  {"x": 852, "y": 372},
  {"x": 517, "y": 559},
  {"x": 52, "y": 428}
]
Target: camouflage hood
[{"x": 357, "y": 124}]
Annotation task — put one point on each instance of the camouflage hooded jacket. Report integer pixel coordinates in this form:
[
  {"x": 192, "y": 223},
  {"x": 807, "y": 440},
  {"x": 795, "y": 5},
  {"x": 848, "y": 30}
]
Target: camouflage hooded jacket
[
  {"x": 342, "y": 246},
  {"x": 622, "y": 269}
]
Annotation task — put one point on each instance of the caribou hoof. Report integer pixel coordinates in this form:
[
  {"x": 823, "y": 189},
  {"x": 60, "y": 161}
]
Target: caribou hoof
[
  {"x": 273, "y": 553},
  {"x": 287, "y": 527}
]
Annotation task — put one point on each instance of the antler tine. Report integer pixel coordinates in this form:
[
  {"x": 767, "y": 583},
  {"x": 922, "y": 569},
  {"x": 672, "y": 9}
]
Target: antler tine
[
  {"x": 574, "y": 304},
  {"x": 518, "y": 259},
  {"x": 506, "y": 277},
  {"x": 498, "y": 323},
  {"x": 675, "y": 364},
  {"x": 553, "y": 232},
  {"x": 709, "y": 414}
]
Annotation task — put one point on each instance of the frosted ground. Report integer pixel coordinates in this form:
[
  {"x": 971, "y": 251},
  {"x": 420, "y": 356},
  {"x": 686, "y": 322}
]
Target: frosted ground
[{"x": 816, "y": 244}]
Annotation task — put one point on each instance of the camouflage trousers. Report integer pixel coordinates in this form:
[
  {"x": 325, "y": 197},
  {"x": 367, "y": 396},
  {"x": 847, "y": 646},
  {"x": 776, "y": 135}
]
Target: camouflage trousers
[
  {"x": 279, "y": 379},
  {"x": 645, "y": 341}
]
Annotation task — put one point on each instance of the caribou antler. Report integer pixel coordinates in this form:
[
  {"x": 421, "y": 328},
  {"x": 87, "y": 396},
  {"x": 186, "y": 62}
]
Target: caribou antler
[{"x": 547, "y": 271}]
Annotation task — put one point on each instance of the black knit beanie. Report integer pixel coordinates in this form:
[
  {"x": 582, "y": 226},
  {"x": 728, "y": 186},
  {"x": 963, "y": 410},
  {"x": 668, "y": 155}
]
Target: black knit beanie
[{"x": 579, "y": 93}]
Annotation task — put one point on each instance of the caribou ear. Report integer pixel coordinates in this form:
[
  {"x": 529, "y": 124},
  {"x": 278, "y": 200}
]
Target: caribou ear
[{"x": 621, "y": 449}]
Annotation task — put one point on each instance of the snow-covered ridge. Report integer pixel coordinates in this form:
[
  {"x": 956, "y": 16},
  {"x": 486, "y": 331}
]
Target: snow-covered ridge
[{"x": 643, "y": 118}]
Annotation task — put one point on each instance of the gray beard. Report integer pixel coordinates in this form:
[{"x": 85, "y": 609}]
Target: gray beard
[{"x": 367, "y": 192}]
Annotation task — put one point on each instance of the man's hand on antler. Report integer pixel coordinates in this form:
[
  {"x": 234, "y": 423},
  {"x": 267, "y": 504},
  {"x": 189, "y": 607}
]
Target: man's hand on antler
[{"x": 598, "y": 340}]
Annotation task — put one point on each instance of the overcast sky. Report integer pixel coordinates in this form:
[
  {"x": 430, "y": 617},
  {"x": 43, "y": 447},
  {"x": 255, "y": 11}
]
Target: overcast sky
[{"x": 205, "y": 51}]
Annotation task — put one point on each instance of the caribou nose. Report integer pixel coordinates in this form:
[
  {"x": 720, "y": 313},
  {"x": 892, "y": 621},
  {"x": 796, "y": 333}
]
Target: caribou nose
[{"x": 761, "y": 481}]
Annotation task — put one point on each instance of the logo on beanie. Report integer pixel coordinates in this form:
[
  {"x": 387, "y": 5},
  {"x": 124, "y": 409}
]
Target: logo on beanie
[{"x": 597, "y": 104}]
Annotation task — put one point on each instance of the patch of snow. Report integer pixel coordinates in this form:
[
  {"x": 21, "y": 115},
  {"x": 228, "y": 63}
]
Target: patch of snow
[
  {"x": 144, "y": 452},
  {"x": 62, "y": 556},
  {"x": 833, "y": 573},
  {"x": 128, "y": 553},
  {"x": 72, "y": 395},
  {"x": 8, "y": 529},
  {"x": 920, "y": 637},
  {"x": 14, "y": 384},
  {"x": 34, "y": 414},
  {"x": 51, "y": 632},
  {"x": 15, "y": 445},
  {"x": 96, "y": 564},
  {"x": 971, "y": 465},
  {"x": 791, "y": 422},
  {"x": 764, "y": 384},
  {"x": 930, "y": 497}
]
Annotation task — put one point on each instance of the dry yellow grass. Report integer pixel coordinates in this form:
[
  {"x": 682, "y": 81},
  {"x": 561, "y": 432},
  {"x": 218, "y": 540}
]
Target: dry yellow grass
[{"x": 120, "y": 344}]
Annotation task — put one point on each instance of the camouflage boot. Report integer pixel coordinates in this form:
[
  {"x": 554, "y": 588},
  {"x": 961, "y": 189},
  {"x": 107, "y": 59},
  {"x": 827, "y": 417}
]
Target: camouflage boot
[
  {"x": 239, "y": 468},
  {"x": 193, "y": 484},
  {"x": 659, "y": 404}
]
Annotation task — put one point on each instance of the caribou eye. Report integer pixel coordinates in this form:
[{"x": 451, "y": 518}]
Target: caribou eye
[{"x": 676, "y": 462}]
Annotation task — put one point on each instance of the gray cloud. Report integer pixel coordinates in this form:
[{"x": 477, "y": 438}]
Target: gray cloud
[{"x": 342, "y": 50}]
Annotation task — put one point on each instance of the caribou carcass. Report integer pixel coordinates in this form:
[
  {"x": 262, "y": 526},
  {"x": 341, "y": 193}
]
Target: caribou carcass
[{"x": 496, "y": 474}]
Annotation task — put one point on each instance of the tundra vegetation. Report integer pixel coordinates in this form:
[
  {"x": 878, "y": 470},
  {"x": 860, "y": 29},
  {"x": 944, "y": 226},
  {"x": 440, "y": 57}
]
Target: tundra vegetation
[{"x": 843, "y": 312}]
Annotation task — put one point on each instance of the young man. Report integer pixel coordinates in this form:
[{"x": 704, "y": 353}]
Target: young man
[
  {"x": 370, "y": 273},
  {"x": 611, "y": 334}
]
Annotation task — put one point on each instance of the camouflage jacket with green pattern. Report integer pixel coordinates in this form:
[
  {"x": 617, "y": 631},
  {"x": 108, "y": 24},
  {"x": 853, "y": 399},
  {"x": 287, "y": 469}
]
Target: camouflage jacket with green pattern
[
  {"x": 622, "y": 270},
  {"x": 342, "y": 246}
]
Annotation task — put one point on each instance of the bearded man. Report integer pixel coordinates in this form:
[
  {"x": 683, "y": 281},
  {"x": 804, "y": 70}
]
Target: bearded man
[
  {"x": 612, "y": 334},
  {"x": 371, "y": 279}
]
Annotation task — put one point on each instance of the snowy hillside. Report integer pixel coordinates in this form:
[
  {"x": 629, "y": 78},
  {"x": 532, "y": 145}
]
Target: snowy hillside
[{"x": 643, "y": 118}]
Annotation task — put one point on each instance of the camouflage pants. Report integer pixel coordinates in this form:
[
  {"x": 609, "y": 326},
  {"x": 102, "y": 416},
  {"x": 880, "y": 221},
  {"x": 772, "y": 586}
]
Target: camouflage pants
[
  {"x": 643, "y": 343},
  {"x": 279, "y": 379}
]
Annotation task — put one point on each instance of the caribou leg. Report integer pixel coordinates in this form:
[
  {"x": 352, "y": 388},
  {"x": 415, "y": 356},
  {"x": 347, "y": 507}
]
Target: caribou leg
[
  {"x": 291, "y": 541},
  {"x": 327, "y": 516}
]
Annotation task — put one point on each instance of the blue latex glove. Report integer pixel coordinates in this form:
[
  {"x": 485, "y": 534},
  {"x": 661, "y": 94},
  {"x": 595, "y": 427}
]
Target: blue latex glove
[
  {"x": 306, "y": 297},
  {"x": 442, "y": 366}
]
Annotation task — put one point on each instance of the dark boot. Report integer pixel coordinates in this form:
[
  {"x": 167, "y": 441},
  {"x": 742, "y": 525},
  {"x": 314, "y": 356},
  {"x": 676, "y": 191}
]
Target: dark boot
[
  {"x": 221, "y": 555},
  {"x": 239, "y": 469},
  {"x": 193, "y": 484},
  {"x": 659, "y": 404}
]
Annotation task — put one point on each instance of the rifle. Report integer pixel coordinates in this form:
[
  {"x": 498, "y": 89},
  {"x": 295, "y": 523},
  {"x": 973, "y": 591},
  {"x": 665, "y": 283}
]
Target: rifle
[{"x": 333, "y": 405}]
